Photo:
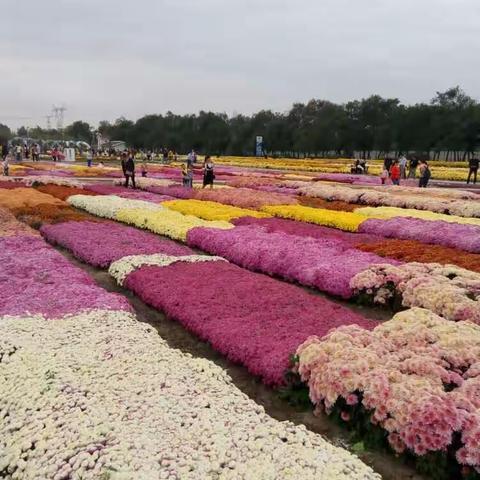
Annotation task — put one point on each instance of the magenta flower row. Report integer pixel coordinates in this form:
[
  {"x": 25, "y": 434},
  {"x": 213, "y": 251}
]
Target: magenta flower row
[
  {"x": 100, "y": 244},
  {"x": 250, "y": 318},
  {"x": 36, "y": 279},
  {"x": 323, "y": 263},
  {"x": 303, "y": 229}
]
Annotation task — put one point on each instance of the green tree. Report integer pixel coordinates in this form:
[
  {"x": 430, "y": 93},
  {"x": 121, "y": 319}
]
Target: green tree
[
  {"x": 79, "y": 131},
  {"x": 22, "y": 132},
  {"x": 5, "y": 134}
]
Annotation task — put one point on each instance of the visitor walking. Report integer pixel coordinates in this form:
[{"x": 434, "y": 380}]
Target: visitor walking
[
  {"x": 425, "y": 174},
  {"x": 184, "y": 174},
  {"x": 89, "y": 157},
  {"x": 412, "y": 168},
  {"x": 35, "y": 152},
  {"x": 144, "y": 168},
  {"x": 403, "y": 167},
  {"x": 208, "y": 172},
  {"x": 384, "y": 175},
  {"x": 192, "y": 158},
  {"x": 130, "y": 171},
  {"x": 472, "y": 170},
  {"x": 395, "y": 173},
  {"x": 18, "y": 153},
  {"x": 387, "y": 163},
  {"x": 6, "y": 167},
  {"x": 190, "y": 176}
]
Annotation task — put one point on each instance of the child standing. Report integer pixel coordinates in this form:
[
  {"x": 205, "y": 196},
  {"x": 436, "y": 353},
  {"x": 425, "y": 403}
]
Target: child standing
[
  {"x": 143, "y": 168},
  {"x": 384, "y": 175},
  {"x": 185, "y": 175}
]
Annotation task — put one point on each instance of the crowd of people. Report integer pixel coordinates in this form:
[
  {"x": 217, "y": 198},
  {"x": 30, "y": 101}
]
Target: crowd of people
[
  {"x": 129, "y": 160},
  {"x": 394, "y": 169},
  {"x": 397, "y": 170}
]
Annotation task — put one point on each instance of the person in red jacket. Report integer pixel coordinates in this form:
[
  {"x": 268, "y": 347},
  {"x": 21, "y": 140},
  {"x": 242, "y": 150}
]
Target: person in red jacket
[{"x": 395, "y": 173}]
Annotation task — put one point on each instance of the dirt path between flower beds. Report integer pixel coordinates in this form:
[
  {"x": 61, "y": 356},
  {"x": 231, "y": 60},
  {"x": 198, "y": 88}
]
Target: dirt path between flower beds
[{"x": 177, "y": 337}]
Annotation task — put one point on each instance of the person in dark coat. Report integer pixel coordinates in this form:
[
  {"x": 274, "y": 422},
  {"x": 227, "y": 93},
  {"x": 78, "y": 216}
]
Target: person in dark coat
[
  {"x": 208, "y": 172},
  {"x": 472, "y": 170},
  {"x": 130, "y": 171}
]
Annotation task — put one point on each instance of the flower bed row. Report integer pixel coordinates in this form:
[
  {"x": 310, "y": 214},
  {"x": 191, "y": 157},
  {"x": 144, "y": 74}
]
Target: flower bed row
[
  {"x": 126, "y": 193},
  {"x": 167, "y": 222},
  {"x": 36, "y": 208},
  {"x": 326, "y": 264},
  {"x": 37, "y": 279},
  {"x": 459, "y": 203},
  {"x": 454, "y": 235},
  {"x": 51, "y": 179},
  {"x": 393, "y": 212},
  {"x": 414, "y": 251},
  {"x": 144, "y": 215},
  {"x": 250, "y": 318},
  {"x": 10, "y": 226},
  {"x": 237, "y": 197},
  {"x": 447, "y": 290},
  {"x": 145, "y": 182},
  {"x": 101, "y": 395},
  {"x": 342, "y": 220},
  {"x": 416, "y": 377},
  {"x": 327, "y": 204},
  {"x": 26, "y": 197},
  {"x": 63, "y": 192},
  {"x": 211, "y": 210},
  {"x": 100, "y": 244},
  {"x": 303, "y": 229}
]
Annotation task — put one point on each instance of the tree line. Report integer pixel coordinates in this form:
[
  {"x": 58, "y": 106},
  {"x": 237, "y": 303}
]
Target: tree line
[{"x": 372, "y": 126}]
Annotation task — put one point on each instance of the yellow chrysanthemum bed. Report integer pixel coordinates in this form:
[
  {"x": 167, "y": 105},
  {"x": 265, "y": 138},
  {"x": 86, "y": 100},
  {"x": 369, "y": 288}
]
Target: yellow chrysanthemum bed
[
  {"x": 328, "y": 218},
  {"x": 211, "y": 210},
  {"x": 166, "y": 222}
]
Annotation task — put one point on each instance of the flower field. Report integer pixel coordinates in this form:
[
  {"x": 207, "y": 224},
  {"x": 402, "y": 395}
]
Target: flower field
[
  {"x": 89, "y": 392},
  {"x": 373, "y": 292}
]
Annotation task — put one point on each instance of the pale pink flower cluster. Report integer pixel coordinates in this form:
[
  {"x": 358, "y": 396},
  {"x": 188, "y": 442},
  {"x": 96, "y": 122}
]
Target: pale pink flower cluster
[
  {"x": 447, "y": 290},
  {"x": 456, "y": 202},
  {"x": 51, "y": 180},
  {"x": 418, "y": 373}
]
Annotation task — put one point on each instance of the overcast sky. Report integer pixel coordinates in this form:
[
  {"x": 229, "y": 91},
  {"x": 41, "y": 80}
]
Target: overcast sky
[{"x": 107, "y": 58}]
